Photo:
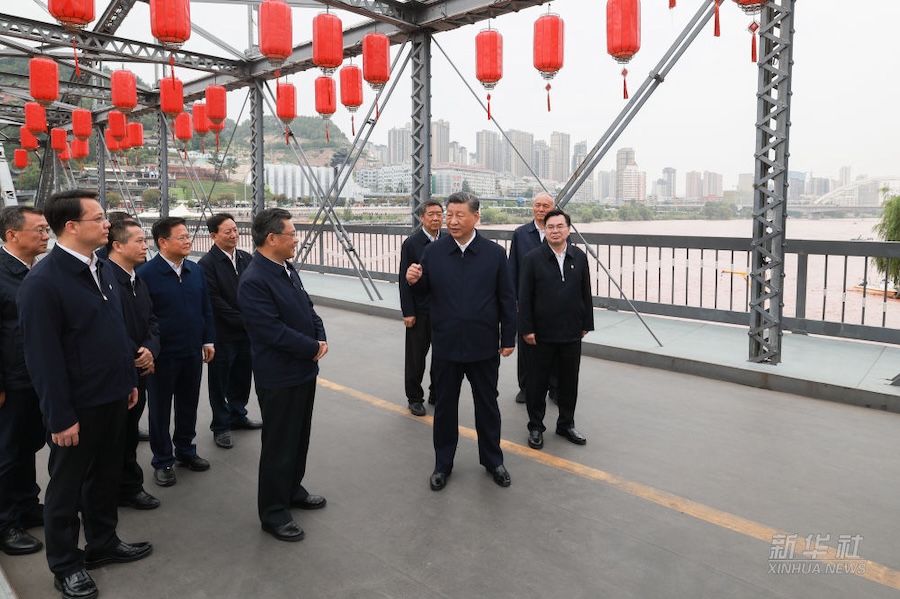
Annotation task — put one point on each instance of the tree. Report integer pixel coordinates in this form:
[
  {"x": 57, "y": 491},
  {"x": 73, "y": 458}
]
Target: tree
[
  {"x": 113, "y": 199},
  {"x": 150, "y": 199},
  {"x": 465, "y": 186},
  {"x": 888, "y": 229}
]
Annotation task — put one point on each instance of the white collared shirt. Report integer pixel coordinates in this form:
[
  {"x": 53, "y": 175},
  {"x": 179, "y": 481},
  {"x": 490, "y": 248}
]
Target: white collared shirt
[
  {"x": 463, "y": 246},
  {"x": 5, "y": 249},
  {"x": 175, "y": 267},
  {"x": 91, "y": 264}
]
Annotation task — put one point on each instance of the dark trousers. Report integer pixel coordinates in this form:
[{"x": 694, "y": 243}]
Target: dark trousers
[
  {"x": 546, "y": 360},
  {"x": 418, "y": 341},
  {"x": 287, "y": 417},
  {"x": 84, "y": 477},
  {"x": 132, "y": 481},
  {"x": 176, "y": 378},
  {"x": 22, "y": 435},
  {"x": 482, "y": 377},
  {"x": 228, "y": 378},
  {"x": 522, "y": 365}
]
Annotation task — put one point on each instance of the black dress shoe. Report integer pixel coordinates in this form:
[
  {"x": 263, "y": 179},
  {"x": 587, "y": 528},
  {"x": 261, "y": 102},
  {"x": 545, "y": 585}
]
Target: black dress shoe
[
  {"x": 501, "y": 476},
  {"x": 310, "y": 502},
  {"x": 15, "y": 540},
  {"x": 246, "y": 423},
  {"x": 520, "y": 396},
  {"x": 438, "y": 480},
  {"x": 194, "y": 462},
  {"x": 34, "y": 517},
  {"x": 143, "y": 435},
  {"x": 417, "y": 408},
  {"x": 141, "y": 501},
  {"x": 79, "y": 585},
  {"x": 535, "y": 439},
  {"x": 290, "y": 532},
  {"x": 120, "y": 554},
  {"x": 164, "y": 477},
  {"x": 223, "y": 440},
  {"x": 572, "y": 435}
]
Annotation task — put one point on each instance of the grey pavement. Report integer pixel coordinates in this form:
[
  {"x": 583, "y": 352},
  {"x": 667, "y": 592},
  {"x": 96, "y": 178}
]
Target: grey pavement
[{"x": 690, "y": 486}]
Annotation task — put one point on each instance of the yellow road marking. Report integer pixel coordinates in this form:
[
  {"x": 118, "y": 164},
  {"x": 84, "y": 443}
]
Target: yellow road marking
[{"x": 873, "y": 571}]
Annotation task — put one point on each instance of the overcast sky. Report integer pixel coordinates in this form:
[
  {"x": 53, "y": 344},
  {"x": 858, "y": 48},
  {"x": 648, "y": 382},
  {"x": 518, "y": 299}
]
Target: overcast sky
[{"x": 702, "y": 118}]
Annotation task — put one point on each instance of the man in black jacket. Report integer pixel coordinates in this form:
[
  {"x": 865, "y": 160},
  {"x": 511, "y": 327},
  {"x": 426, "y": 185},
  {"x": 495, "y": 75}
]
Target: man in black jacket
[
  {"x": 26, "y": 233},
  {"x": 555, "y": 312},
  {"x": 229, "y": 373},
  {"x": 415, "y": 308},
  {"x": 126, "y": 249}
]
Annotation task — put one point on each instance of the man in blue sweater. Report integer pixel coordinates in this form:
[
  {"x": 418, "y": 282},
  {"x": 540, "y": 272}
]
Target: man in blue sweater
[
  {"x": 186, "y": 335},
  {"x": 287, "y": 340}
]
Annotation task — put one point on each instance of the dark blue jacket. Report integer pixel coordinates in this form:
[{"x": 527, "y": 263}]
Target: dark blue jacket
[
  {"x": 76, "y": 346},
  {"x": 181, "y": 305},
  {"x": 412, "y": 304},
  {"x": 553, "y": 306},
  {"x": 473, "y": 306},
  {"x": 13, "y": 372},
  {"x": 222, "y": 283},
  {"x": 140, "y": 322},
  {"x": 284, "y": 328},
  {"x": 525, "y": 238}
]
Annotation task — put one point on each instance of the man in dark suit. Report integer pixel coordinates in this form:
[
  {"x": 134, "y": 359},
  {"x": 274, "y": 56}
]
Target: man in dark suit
[
  {"x": 526, "y": 238},
  {"x": 415, "y": 308},
  {"x": 126, "y": 250},
  {"x": 555, "y": 312},
  {"x": 80, "y": 360},
  {"x": 22, "y": 433},
  {"x": 473, "y": 323},
  {"x": 186, "y": 336},
  {"x": 228, "y": 374},
  {"x": 287, "y": 339}
]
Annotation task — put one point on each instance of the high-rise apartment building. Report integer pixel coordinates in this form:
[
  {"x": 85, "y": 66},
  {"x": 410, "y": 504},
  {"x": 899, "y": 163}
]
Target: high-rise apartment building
[
  {"x": 440, "y": 142},
  {"x": 458, "y": 154},
  {"x": 487, "y": 150},
  {"x": 541, "y": 162},
  {"x": 712, "y": 185},
  {"x": 559, "y": 156},
  {"x": 523, "y": 142},
  {"x": 669, "y": 191},
  {"x": 844, "y": 177},
  {"x": 633, "y": 184},
  {"x": 624, "y": 159},
  {"x": 400, "y": 145},
  {"x": 579, "y": 153},
  {"x": 606, "y": 186},
  {"x": 693, "y": 186}
]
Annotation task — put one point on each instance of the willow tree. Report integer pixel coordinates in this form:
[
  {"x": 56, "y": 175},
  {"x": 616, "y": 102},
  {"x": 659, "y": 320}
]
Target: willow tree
[{"x": 888, "y": 229}]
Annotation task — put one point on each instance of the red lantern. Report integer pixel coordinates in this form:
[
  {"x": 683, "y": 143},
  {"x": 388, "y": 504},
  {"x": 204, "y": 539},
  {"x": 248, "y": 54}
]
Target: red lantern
[
  {"x": 66, "y": 154},
  {"x": 217, "y": 128},
  {"x": 80, "y": 149},
  {"x": 72, "y": 14},
  {"x": 111, "y": 144},
  {"x": 286, "y": 105},
  {"x": 35, "y": 117},
  {"x": 751, "y": 7},
  {"x": 623, "y": 32},
  {"x": 44, "y": 80},
  {"x": 489, "y": 60},
  {"x": 275, "y": 32},
  {"x": 376, "y": 52},
  {"x": 548, "y": 48},
  {"x": 200, "y": 122},
  {"x": 124, "y": 90},
  {"x": 351, "y": 91},
  {"x": 58, "y": 139},
  {"x": 328, "y": 42},
  {"x": 170, "y": 22},
  {"x": 326, "y": 102},
  {"x": 183, "y": 130},
  {"x": 20, "y": 158},
  {"x": 118, "y": 125},
  {"x": 125, "y": 142},
  {"x": 171, "y": 96},
  {"x": 27, "y": 139},
  {"x": 135, "y": 134},
  {"x": 82, "y": 123},
  {"x": 216, "y": 106}
]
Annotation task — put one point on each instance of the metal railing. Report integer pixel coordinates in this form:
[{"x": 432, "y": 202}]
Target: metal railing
[{"x": 831, "y": 287}]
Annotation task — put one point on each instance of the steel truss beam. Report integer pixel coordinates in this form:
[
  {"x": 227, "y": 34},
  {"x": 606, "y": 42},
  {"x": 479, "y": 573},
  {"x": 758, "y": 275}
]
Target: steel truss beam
[
  {"x": 257, "y": 159},
  {"x": 771, "y": 181},
  {"x": 112, "y": 17},
  {"x": 421, "y": 123}
]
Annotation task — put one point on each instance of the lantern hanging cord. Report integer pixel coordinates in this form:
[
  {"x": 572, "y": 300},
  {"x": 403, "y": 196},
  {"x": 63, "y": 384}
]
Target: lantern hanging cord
[
  {"x": 75, "y": 53},
  {"x": 172, "y": 64}
]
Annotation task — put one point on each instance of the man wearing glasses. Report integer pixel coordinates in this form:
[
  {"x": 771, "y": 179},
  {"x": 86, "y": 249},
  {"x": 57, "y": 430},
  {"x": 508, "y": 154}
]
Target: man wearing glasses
[
  {"x": 186, "y": 335},
  {"x": 26, "y": 233},
  {"x": 80, "y": 360}
]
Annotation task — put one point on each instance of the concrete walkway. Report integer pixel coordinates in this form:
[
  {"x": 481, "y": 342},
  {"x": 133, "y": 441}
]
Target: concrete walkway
[{"x": 688, "y": 487}]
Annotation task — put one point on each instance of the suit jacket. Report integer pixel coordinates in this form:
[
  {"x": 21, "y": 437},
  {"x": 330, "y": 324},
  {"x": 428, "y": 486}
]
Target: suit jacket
[
  {"x": 140, "y": 322},
  {"x": 76, "y": 346},
  {"x": 13, "y": 372},
  {"x": 473, "y": 305},
  {"x": 412, "y": 304},
  {"x": 283, "y": 326},
  {"x": 555, "y": 307},
  {"x": 181, "y": 305},
  {"x": 525, "y": 238},
  {"x": 222, "y": 284}
]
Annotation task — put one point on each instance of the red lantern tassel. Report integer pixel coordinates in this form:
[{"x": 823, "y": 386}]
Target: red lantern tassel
[
  {"x": 75, "y": 52},
  {"x": 376, "y": 109},
  {"x": 753, "y": 49},
  {"x": 202, "y": 146},
  {"x": 172, "y": 64},
  {"x": 352, "y": 126},
  {"x": 327, "y": 136},
  {"x": 548, "y": 97},
  {"x": 217, "y": 142},
  {"x": 717, "y": 30},
  {"x": 489, "y": 106},
  {"x": 625, "y": 83},
  {"x": 286, "y": 139}
]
